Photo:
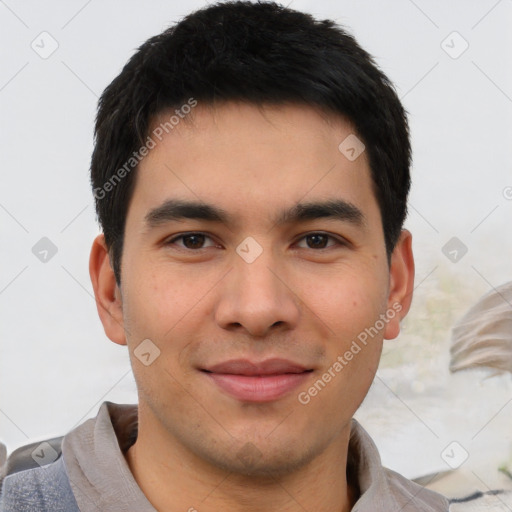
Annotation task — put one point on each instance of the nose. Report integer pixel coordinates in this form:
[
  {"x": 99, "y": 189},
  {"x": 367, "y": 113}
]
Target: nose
[{"x": 256, "y": 297}]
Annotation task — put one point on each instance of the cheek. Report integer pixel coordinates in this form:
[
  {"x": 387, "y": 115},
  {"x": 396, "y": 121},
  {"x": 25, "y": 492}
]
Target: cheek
[
  {"x": 348, "y": 302},
  {"x": 158, "y": 308},
  {"x": 166, "y": 309},
  {"x": 156, "y": 303}
]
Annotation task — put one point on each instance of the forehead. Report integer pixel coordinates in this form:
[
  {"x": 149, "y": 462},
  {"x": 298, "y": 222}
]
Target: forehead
[{"x": 249, "y": 159}]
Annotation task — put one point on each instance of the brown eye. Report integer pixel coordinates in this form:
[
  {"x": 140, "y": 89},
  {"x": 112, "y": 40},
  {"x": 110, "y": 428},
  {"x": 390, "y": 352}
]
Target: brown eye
[
  {"x": 319, "y": 241},
  {"x": 192, "y": 241}
]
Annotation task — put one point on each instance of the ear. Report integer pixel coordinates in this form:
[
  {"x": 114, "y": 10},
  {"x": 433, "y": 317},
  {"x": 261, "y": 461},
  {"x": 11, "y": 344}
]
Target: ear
[
  {"x": 401, "y": 284},
  {"x": 106, "y": 291}
]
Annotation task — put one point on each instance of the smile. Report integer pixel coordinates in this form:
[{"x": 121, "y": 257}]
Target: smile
[{"x": 257, "y": 382}]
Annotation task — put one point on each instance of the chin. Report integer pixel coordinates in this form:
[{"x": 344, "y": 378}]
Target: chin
[{"x": 262, "y": 460}]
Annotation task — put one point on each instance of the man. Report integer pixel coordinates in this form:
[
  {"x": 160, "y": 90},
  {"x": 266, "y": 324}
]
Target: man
[{"x": 251, "y": 173}]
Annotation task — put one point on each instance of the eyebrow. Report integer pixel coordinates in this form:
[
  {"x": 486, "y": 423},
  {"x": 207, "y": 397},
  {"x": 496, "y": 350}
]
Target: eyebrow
[{"x": 176, "y": 210}]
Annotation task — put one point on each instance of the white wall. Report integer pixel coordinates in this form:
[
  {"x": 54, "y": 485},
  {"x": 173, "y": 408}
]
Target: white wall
[{"x": 57, "y": 365}]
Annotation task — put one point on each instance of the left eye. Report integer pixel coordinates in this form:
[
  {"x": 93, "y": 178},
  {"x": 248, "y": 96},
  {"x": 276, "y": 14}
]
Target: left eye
[{"x": 319, "y": 241}]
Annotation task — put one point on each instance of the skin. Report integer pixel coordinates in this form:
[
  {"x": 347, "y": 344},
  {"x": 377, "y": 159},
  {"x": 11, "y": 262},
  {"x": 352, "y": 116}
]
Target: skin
[{"x": 295, "y": 301}]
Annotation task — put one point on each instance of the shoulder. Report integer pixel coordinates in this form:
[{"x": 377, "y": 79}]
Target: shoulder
[
  {"x": 412, "y": 496},
  {"x": 41, "y": 489},
  {"x": 381, "y": 488}
]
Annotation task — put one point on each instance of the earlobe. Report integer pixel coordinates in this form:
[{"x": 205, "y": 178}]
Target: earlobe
[
  {"x": 401, "y": 284},
  {"x": 106, "y": 291}
]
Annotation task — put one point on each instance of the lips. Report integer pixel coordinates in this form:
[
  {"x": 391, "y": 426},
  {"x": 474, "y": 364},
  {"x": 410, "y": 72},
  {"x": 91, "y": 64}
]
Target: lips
[
  {"x": 263, "y": 381},
  {"x": 248, "y": 368}
]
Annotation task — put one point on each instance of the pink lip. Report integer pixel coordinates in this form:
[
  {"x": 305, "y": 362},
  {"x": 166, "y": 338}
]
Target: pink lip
[{"x": 257, "y": 382}]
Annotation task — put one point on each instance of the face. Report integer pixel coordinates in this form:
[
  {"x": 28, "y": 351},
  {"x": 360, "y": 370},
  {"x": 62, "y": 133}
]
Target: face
[{"x": 254, "y": 262}]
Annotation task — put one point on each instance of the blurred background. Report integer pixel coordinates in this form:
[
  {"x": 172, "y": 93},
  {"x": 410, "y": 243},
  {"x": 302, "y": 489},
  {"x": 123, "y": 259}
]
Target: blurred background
[{"x": 450, "y": 62}]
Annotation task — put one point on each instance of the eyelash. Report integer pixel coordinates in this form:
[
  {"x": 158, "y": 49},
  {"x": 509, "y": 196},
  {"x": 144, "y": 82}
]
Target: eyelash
[{"x": 338, "y": 241}]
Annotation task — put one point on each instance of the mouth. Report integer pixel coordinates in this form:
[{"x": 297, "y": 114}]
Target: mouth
[{"x": 263, "y": 381}]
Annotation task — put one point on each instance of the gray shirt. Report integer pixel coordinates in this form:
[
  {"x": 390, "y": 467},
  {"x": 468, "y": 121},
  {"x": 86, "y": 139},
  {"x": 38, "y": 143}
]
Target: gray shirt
[{"x": 92, "y": 474}]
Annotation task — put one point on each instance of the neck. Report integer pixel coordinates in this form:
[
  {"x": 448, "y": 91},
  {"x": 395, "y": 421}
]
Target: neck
[{"x": 175, "y": 480}]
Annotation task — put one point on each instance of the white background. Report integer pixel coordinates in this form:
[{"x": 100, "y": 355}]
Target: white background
[{"x": 56, "y": 363}]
